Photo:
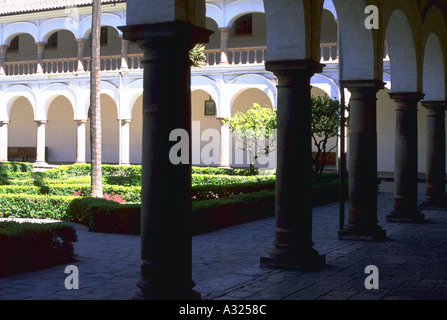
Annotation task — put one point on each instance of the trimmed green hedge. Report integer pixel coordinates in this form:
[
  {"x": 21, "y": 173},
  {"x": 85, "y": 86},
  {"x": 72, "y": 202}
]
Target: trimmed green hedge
[
  {"x": 207, "y": 215},
  {"x": 8, "y": 167},
  {"x": 31, "y": 246},
  {"x": 34, "y": 206}
]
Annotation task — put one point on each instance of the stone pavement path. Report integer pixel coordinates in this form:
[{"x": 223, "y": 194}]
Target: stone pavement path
[{"x": 412, "y": 263}]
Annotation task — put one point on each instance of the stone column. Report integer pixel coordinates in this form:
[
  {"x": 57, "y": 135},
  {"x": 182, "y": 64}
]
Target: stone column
[
  {"x": 406, "y": 159},
  {"x": 80, "y": 140},
  {"x": 40, "y": 144},
  {"x": 81, "y": 54},
  {"x": 125, "y": 141},
  {"x": 362, "y": 198},
  {"x": 166, "y": 187},
  {"x": 4, "y": 141},
  {"x": 224, "y": 37},
  {"x": 436, "y": 148},
  {"x": 124, "y": 53},
  {"x": 40, "y": 56},
  {"x": 224, "y": 146},
  {"x": 3, "y": 52},
  {"x": 293, "y": 246}
]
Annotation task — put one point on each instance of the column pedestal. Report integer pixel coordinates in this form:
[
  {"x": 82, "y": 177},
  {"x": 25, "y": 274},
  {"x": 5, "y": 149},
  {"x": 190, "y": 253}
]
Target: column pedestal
[
  {"x": 166, "y": 187},
  {"x": 80, "y": 141},
  {"x": 40, "y": 144},
  {"x": 293, "y": 246},
  {"x": 435, "y": 197},
  {"x": 4, "y": 141},
  {"x": 362, "y": 201},
  {"x": 406, "y": 160}
]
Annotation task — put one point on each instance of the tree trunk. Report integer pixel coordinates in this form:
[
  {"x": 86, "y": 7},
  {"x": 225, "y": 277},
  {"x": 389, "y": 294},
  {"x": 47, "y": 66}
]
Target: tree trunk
[{"x": 95, "y": 105}]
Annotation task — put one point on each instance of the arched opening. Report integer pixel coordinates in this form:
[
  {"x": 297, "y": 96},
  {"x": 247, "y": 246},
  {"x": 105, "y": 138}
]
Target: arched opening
[
  {"x": 402, "y": 53},
  {"x": 243, "y": 103},
  {"x": 204, "y": 121},
  {"x": 61, "y": 132},
  {"x": 109, "y": 131},
  {"x": 214, "y": 40},
  {"x": 22, "y": 48},
  {"x": 328, "y": 36},
  {"x": 61, "y": 45},
  {"x": 22, "y": 129},
  {"x": 110, "y": 43},
  {"x": 136, "y": 132}
]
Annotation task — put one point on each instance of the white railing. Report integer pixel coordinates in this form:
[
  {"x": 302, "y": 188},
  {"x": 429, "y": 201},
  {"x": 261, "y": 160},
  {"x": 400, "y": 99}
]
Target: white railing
[{"x": 235, "y": 56}]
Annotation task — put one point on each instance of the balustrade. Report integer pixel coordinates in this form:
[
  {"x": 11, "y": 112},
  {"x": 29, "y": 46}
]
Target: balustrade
[{"x": 236, "y": 57}]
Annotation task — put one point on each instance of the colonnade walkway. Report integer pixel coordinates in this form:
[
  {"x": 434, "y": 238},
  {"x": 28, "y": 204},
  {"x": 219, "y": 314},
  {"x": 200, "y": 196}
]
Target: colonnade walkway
[{"x": 412, "y": 263}]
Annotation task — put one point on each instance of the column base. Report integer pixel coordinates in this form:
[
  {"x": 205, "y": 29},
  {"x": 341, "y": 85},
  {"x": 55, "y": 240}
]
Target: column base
[
  {"x": 148, "y": 292},
  {"x": 310, "y": 261},
  {"x": 376, "y": 234},
  {"x": 40, "y": 164},
  {"x": 413, "y": 216}
]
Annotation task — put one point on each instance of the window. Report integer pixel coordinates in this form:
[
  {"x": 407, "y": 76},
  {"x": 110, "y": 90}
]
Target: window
[
  {"x": 244, "y": 25},
  {"x": 14, "y": 45},
  {"x": 104, "y": 38},
  {"x": 52, "y": 42}
]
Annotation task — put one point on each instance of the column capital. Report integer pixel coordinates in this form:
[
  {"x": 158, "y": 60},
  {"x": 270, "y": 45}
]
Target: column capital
[
  {"x": 291, "y": 67},
  {"x": 158, "y": 32},
  {"x": 41, "y": 122},
  {"x": 81, "y": 40},
  {"x": 125, "y": 121},
  {"x": 414, "y": 97},
  {"x": 435, "y": 104},
  {"x": 366, "y": 84},
  {"x": 81, "y": 122}
]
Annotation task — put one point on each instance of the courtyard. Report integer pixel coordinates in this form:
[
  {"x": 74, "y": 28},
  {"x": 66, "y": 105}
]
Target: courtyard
[{"x": 412, "y": 263}]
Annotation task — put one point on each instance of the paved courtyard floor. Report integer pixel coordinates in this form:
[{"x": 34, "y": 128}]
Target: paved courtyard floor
[{"x": 412, "y": 263}]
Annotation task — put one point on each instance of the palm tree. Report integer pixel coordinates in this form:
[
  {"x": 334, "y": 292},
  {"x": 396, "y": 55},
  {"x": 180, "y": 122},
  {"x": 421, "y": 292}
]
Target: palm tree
[{"x": 95, "y": 103}]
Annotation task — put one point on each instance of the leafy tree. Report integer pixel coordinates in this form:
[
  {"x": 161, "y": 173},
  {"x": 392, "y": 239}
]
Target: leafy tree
[
  {"x": 325, "y": 125},
  {"x": 197, "y": 56},
  {"x": 255, "y": 131}
]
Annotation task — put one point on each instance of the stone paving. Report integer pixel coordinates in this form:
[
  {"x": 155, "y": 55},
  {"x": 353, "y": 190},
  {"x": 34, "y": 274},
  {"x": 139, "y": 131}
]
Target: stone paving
[{"x": 412, "y": 263}]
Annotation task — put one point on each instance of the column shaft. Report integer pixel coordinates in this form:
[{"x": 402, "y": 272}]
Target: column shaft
[
  {"x": 435, "y": 157},
  {"x": 124, "y": 53},
  {"x": 406, "y": 160},
  {"x": 81, "y": 53},
  {"x": 224, "y": 146},
  {"x": 166, "y": 187},
  {"x": 80, "y": 140},
  {"x": 125, "y": 141},
  {"x": 40, "y": 143},
  {"x": 40, "y": 56},
  {"x": 3, "y": 52},
  {"x": 224, "y": 38},
  {"x": 4, "y": 141},
  {"x": 362, "y": 168},
  {"x": 293, "y": 246}
]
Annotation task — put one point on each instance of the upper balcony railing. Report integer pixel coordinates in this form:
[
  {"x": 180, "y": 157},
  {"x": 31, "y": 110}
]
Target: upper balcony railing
[{"x": 235, "y": 57}]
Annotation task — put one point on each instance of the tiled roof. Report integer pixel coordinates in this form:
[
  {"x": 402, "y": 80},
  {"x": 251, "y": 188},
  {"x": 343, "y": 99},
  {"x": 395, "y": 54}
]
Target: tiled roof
[{"x": 21, "y": 6}]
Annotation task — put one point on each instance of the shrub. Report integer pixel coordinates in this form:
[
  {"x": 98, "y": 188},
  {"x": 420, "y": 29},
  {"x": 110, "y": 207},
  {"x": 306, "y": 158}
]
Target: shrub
[
  {"x": 8, "y": 167},
  {"x": 31, "y": 246},
  {"x": 34, "y": 206}
]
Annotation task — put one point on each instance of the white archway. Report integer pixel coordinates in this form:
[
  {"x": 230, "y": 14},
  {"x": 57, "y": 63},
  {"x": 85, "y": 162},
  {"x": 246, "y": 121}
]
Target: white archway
[{"x": 433, "y": 74}]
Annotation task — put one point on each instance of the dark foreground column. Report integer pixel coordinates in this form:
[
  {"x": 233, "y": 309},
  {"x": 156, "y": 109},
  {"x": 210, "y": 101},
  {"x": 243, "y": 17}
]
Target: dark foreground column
[
  {"x": 362, "y": 202},
  {"x": 293, "y": 232},
  {"x": 166, "y": 187},
  {"x": 406, "y": 159},
  {"x": 435, "y": 163}
]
